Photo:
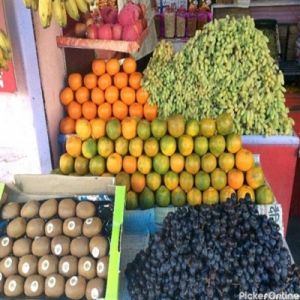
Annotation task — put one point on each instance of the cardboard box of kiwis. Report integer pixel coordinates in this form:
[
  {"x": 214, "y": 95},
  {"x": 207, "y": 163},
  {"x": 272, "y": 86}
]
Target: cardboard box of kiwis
[{"x": 60, "y": 237}]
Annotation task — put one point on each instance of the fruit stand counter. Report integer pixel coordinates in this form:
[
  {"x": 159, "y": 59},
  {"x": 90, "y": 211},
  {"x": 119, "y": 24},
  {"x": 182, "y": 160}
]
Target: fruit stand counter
[{"x": 278, "y": 156}]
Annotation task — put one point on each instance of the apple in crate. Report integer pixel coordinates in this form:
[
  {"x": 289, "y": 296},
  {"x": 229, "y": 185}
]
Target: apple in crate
[{"x": 105, "y": 32}]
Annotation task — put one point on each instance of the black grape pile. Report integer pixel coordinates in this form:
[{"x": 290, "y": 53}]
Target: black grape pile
[{"x": 213, "y": 252}]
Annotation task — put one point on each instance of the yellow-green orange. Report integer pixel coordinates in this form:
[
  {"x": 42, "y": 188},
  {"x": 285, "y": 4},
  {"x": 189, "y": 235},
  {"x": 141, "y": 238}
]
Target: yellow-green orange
[
  {"x": 202, "y": 181},
  {"x": 114, "y": 163},
  {"x": 151, "y": 147},
  {"x": 123, "y": 179},
  {"x": 113, "y": 129},
  {"x": 81, "y": 165},
  {"x": 210, "y": 196},
  {"x": 201, "y": 145},
  {"x": 89, "y": 148},
  {"x": 176, "y": 125},
  {"x": 97, "y": 165},
  {"x": 144, "y": 129},
  {"x": 207, "y": 127},
  {"x": 144, "y": 164},
  {"x": 194, "y": 197},
  {"x": 83, "y": 129},
  {"x": 158, "y": 128},
  {"x": 132, "y": 200},
  {"x": 218, "y": 179},
  {"x": 185, "y": 145},
  {"x": 192, "y": 128},
  {"x": 153, "y": 181},
  {"x": 163, "y": 197},
  {"x": 224, "y": 124},
  {"x": 186, "y": 181},
  {"x": 226, "y": 193},
  {"x": 121, "y": 145},
  {"x": 161, "y": 164},
  {"x": 192, "y": 163},
  {"x": 264, "y": 195},
  {"x": 217, "y": 145},
  {"x": 255, "y": 177},
  {"x": 226, "y": 161},
  {"x": 105, "y": 147},
  {"x": 171, "y": 180},
  {"x": 208, "y": 162},
  {"x": 168, "y": 145},
  {"x": 66, "y": 164},
  {"x": 178, "y": 197},
  {"x": 146, "y": 199},
  {"x": 244, "y": 190},
  {"x": 136, "y": 147},
  {"x": 177, "y": 163},
  {"x": 74, "y": 145},
  {"x": 233, "y": 143}
]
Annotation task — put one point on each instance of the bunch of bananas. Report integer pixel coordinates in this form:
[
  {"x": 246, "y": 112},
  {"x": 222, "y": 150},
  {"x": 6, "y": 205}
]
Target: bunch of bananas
[
  {"x": 59, "y": 9},
  {"x": 5, "y": 50}
]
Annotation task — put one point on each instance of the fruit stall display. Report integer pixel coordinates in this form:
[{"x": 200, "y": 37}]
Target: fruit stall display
[{"x": 5, "y": 50}]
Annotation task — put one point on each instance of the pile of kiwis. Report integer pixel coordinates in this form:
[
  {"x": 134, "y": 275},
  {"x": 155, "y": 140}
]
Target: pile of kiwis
[{"x": 54, "y": 248}]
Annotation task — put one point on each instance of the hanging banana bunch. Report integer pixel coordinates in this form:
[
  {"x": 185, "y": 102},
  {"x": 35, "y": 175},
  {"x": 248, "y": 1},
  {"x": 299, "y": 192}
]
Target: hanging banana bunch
[
  {"x": 59, "y": 9},
  {"x": 5, "y": 50}
]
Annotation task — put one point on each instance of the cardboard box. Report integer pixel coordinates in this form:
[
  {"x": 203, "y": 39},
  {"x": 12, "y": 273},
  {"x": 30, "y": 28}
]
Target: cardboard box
[{"x": 42, "y": 187}]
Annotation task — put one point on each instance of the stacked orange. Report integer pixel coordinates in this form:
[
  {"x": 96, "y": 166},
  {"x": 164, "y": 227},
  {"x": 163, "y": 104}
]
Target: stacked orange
[{"x": 110, "y": 91}]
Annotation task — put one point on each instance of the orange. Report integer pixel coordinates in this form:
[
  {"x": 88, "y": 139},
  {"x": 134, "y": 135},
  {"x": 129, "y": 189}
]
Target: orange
[
  {"x": 218, "y": 179},
  {"x": 89, "y": 110},
  {"x": 129, "y": 127},
  {"x": 73, "y": 145},
  {"x": 138, "y": 182},
  {"x": 121, "y": 145},
  {"x": 135, "y": 80},
  {"x": 235, "y": 178},
  {"x": 185, "y": 145},
  {"x": 83, "y": 129},
  {"x": 177, "y": 163},
  {"x": 141, "y": 95},
  {"x": 120, "y": 110},
  {"x": 98, "y": 67},
  {"x": 151, "y": 147},
  {"x": 244, "y": 190},
  {"x": 127, "y": 95},
  {"x": 104, "y": 81},
  {"x": 114, "y": 163},
  {"x": 66, "y": 164},
  {"x": 150, "y": 112},
  {"x": 136, "y": 110},
  {"x": 176, "y": 125},
  {"x": 217, "y": 145},
  {"x": 144, "y": 164},
  {"x": 74, "y": 110},
  {"x": 136, "y": 147},
  {"x": 75, "y": 81},
  {"x": 67, "y": 125},
  {"x": 153, "y": 181},
  {"x": 208, "y": 162},
  {"x": 255, "y": 177},
  {"x": 123, "y": 179},
  {"x": 226, "y": 193},
  {"x": 233, "y": 143},
  {"x": 105, "y": 111},
  {"x": 186, "y": 181},
  {"x": 111, "y": 94},
  {"x": 97, "y": 96},
  {"x": 66, "y": 96},
  {"x": 121, "y": 80},
  {"x": 244, "y": 160},
  {"x": 98, "y": 128},
  {"x": 105, "y": 146},
  {"x": 129, "y": 65},
  {"x": 112, "y": 66},
  {"x": 264, "y": 195},
  {"x": 90, "y": 80},
  {"x": 82, "y": 95},
  {"x": 129, "y": 164},
  {"x": 194, "y": 197},
  {"x": 207, "y": 127},
  {"x": 171, "y": 180},
  {"x": 192, "y": 163},
  {"x": 210, "y": 196},
  {"x": 226, "y": 161}
]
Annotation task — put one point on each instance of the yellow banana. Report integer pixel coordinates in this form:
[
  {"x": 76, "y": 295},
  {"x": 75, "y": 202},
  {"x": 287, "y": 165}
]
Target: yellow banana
[
  {"x": 45, "y": 12},
  {"x": 59, "y": 12},
  {"x": 82, "y": 6},
  {"x": 72, "y": 9},
  {"x": 4, "y": 41},
  {"x": 35, "y": 4},
  {"x": 90, "y": 2},
  {"x": 27, "y": 3}
]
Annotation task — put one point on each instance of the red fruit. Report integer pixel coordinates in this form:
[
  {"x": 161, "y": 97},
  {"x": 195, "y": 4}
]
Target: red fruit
[
  {"x": 117, "y": 32},
  {"x": 105, "y": 32},
  {"x": 129, "y": 14},
  {"x": 109, "y": 15},
  {"x": 92, "y": 31}
]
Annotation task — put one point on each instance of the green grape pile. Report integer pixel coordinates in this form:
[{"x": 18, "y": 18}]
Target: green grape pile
[{"x": 227, "y": 67}]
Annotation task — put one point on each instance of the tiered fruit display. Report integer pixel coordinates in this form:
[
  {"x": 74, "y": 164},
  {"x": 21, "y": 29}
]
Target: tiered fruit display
[
  {"x": 169, "y": 161},
  {"x": 226, "y": 67},
  {"x": 5, "y": 50},
  {"x": 214, "y": 252},
  {"x": 110, "y": 90}
]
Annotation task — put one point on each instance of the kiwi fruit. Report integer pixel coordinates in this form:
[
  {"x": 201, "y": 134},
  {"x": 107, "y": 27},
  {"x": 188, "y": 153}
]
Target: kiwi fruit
[
  {"x": 47, "y": 265},
  {"x": 27, "y": 265},
  {"x": 98, "y": 246},
  {"x": 13, "y": 286},
  {"x": 54, "y": 286},
  {"x": 34, "y": 286},
  {"x": 80, "y": 246},
  {"x": 102, "y": 267},
  {"x": 68, "y": 266},
  {"x": 48, "y": 209},
  {"x": 9, "y": 266},
  {"x": 22, "y": 247},
  {"x": 30, "y": 209},
  {"x": 87, "y": 267},
  {"x": 75, "y": 287},
  {"x": 41, "y": 246},
  {"x": 10, "y": 210},
  {"x": 95, "y": 289},
  {"x": 85, "y": 209},
  {"x": 54, "y": 228},
  {"x": 66, "y": 208},
  {"x": 1, "y": 283},
  {"x": 60, "y": 245},
  {"x": 92, "y": 226},
  {"x": 72, "y": 227},
  {"x": 16, "y": 228},
  {"x": 6, "y": 245},
  {"x": 35, "y": 228}
]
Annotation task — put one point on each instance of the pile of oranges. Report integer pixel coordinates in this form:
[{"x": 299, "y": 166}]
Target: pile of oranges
[{"x": 111, "y": 90}]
